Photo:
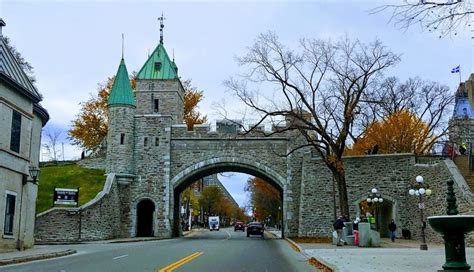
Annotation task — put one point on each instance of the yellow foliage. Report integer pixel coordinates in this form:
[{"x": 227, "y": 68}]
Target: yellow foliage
[{"x": 401, "y": 132}]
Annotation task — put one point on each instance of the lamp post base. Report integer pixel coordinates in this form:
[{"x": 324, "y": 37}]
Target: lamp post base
[{"x": 423, "y": 247}]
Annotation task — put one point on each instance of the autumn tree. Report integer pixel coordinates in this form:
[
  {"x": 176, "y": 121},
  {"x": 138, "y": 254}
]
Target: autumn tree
[
  {"x": 319, "y": 88},
  {"x": 441, "y": 16},
  {"x": 402, "y": 132},
  {"x": 192, "y": 97},
  {"x": 429, "y": 102},
  {"x": 264, "y": 198},
  {"x": 89, "y": 129},
  {"x": 211, "y": 198}
]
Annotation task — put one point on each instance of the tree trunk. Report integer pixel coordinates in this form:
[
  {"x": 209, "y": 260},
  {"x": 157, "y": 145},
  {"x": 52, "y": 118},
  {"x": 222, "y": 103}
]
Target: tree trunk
[{"x": 340, "y": 177}]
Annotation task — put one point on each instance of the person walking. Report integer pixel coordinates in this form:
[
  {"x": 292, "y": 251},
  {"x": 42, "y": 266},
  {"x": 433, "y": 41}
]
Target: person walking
[
  {"x": 355, "y": 229},
  {"x": 392, "y": 227},
  {"x": 338, "y": 226}
]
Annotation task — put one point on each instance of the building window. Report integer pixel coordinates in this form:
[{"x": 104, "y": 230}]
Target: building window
[
  {"x": 145, "y": 141},
  {"x": 156, "y": 105},
  {"x": 9, "y": 214},
  {"x": 122, "y": 138},
  {"x": 157, "y": 141},
  {"x": 15, "y": 132},
  {"x": 157, "y": 66}
]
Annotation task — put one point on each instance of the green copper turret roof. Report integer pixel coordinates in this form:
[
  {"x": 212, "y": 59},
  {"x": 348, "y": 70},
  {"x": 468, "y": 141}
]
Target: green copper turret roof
[
  {"x": 158, "y": 66},
  {"x": 121, "y": 93}
]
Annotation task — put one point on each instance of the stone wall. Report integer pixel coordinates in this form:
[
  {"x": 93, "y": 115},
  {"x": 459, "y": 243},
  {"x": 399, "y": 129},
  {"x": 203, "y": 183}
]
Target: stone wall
[
  {"x": 93, "y": 163},
  {"x": 393, "y": 175},
  {"x": 98, "y": 219}
]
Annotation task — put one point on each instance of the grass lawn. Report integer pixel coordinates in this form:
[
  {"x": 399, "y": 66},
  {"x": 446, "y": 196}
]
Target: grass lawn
[{"x": 89, "y": 181}]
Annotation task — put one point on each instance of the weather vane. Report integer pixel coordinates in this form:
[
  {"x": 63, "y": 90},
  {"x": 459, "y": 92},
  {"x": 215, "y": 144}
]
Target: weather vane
[{"x": 161, "y": 19}]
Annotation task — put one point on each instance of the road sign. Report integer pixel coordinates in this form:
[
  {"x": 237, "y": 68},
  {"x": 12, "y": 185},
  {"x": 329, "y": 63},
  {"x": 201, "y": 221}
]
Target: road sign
[
  {"x": 65, "y": 196},
  {"x": 421, "y": 205}
]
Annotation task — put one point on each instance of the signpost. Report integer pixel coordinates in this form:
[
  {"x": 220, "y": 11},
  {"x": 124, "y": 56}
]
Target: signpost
[{"x": 65, "y": 196}]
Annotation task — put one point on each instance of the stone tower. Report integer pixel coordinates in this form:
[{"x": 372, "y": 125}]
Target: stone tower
[{"x": 120, "y": 140}]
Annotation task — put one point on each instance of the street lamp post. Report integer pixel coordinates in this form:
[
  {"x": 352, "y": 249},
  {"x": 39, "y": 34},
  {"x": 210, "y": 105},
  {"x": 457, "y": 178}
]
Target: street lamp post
[
  {"x": 375, "y": 198},
  {"x": 418, "y": 191}
]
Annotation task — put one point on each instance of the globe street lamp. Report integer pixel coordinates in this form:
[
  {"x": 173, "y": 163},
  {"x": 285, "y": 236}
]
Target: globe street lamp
[
  {"x": 375, "y": 198},
  {"x": 418, "y": 191}
]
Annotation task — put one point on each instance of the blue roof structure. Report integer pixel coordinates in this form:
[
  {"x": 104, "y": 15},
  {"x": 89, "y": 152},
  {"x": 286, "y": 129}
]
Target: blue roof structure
[{"x": 462, "y": 108}]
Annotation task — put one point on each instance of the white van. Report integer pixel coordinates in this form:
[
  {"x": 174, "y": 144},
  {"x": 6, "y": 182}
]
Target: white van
[{"x": 213, "y": 223}]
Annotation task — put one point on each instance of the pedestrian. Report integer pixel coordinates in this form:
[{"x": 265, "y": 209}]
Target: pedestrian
[
  {"x": 355, "y": 228},
  {"x": 392, "y": 227},
  {"x": 338, "y": 226}
]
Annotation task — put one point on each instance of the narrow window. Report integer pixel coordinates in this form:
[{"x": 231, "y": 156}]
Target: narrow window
[
  {"x": 9, "y": 214},
  {"x": 122, "y": 138},
  {"x": 157, "y": 141},
  {"x": 145, "y": 141},
  {"x": 156, "y": 104},
  {"x": 15, "y": 132},
  {"x": 157, "y": 66}
]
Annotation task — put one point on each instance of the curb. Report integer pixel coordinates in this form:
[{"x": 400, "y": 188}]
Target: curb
[
  {"x": 322, "y": 265},
  {"x": 37, "y": 257}
]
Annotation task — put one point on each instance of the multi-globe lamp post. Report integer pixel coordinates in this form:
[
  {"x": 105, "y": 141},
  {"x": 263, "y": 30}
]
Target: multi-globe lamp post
[
  {"x": 419, "y": 191},
  {"x": 375, "y": 198}
]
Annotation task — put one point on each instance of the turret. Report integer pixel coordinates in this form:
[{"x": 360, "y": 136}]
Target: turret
[
  {"x": 159, "y": 89},
  {"x": 120, "y": 140}
]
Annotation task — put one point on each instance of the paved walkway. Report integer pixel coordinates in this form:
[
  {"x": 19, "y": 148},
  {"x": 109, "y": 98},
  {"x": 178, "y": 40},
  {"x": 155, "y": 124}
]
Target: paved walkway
[
  {"x": 403, "y": 255},
  {"x": 35, "y": 253}
]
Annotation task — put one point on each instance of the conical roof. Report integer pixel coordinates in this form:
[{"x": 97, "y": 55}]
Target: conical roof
[
  {"x": 158, "y": 66},
  {"x": 121, "y": 93}
]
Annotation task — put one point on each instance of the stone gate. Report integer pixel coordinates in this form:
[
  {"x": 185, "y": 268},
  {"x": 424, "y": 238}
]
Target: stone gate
[{"x": 152, "y": 157}]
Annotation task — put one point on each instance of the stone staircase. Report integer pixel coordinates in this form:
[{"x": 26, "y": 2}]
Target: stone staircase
[{"x": 462, "y": 162}]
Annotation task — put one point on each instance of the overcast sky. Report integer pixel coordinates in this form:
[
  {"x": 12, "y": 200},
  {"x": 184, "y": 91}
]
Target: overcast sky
[{"x": 74, "y": 44}]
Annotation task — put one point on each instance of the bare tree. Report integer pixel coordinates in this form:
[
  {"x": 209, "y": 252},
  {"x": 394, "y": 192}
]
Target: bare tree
[
  {"x": 318, "y": 90},
  {"x": 429, "y": 100},
  {"x": 442, "y": 16},
  {"x": 51, "y": 144}
]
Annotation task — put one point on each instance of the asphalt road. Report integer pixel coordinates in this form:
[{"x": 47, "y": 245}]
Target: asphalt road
[{"x": 202, "y": 250}]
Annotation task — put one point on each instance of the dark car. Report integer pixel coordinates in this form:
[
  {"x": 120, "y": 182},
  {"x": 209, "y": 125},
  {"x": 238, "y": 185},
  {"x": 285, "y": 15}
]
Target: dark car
[
  {"x": 239, "y": 226},
  {"x": 255, "y": 228}
]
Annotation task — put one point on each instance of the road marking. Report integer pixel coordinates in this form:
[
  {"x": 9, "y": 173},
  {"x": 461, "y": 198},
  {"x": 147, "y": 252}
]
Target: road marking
[
  {"x": 122, "y": 256},
  {"x": 180, "y": 262},
  {"x": 229, "y": 235}
]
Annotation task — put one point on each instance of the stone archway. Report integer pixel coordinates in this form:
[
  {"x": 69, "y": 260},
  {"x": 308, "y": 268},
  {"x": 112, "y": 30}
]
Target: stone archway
[
  {"x": 387, "y": 211},
  {"x": 223, "y": 164},
  {"x": 145, "y": 211}
]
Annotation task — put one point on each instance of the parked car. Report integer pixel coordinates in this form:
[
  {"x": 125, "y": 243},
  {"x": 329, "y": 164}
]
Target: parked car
[
  {"x": 239, "y": 226},
  {"x": 255, "y": 228}
]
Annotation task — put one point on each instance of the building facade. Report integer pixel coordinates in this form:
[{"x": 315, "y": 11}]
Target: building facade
[{"x": 21, "y": 120}]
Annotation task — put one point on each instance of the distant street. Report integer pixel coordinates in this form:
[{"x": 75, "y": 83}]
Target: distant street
[{"x": 201, "y": 250}]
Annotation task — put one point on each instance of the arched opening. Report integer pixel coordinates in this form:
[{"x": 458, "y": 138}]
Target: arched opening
[
  {"x": 145, "y": 209},
  {"x": 190, "y": 176},
  {"x": 383, "y": 213}
]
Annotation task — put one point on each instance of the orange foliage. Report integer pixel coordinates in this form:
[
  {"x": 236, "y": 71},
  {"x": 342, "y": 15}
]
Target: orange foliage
[
  {"x": 265, "y": 199},
  {"x": 401, "y": 132},
  {"x": 192, "y": 97},
  {"x": 89, "y": 129}
]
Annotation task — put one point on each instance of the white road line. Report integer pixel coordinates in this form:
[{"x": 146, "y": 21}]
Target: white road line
[
  {"x": 228, "y": 234},
  {"x": 118, "y": 257}
]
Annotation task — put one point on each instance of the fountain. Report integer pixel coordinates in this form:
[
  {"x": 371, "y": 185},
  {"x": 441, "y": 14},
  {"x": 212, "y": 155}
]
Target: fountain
[{"x": 453, "y": 228}]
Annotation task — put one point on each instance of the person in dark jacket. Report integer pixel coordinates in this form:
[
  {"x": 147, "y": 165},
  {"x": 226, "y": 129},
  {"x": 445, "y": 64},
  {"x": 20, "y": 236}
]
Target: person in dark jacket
[
  {"x": 392, "y": 227},
  {"x": 338, "y": 226}
]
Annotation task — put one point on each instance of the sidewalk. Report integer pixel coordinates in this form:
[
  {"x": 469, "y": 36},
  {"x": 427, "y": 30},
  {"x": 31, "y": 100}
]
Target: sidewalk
[
  {"x": 33, "y": 254},
  {"x": 403, "y": 255}
]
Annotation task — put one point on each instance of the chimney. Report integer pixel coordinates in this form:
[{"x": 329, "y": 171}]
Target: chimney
[{"x": 2, "y": 24}]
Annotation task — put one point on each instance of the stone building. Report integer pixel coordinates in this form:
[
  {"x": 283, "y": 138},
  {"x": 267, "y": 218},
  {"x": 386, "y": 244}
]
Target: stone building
[
  {"x": 21, "y": 120},
  {"x": 462, "y": 122},
  {"x": 152, "y": 158}
]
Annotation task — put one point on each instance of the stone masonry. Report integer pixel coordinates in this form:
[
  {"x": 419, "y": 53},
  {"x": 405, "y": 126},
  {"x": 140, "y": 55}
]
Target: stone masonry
[{"x": 152, "y": 156}]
